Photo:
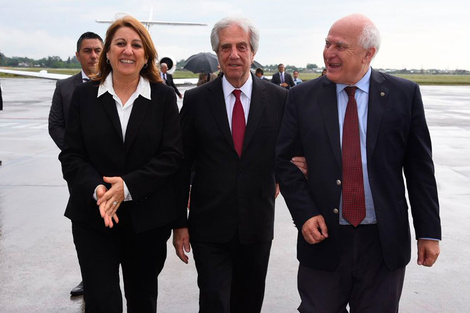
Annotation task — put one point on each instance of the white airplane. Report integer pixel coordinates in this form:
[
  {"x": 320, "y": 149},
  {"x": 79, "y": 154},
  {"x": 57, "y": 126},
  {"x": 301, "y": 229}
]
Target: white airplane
[{"x": 147, "y": 23}]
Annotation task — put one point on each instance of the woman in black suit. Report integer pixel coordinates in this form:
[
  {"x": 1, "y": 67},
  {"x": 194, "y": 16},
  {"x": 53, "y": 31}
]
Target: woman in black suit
[{"x": 122, "y": 150}]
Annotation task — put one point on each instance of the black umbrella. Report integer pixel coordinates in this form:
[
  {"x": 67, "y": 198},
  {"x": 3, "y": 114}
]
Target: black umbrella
[{"x": 203, "y": 62}]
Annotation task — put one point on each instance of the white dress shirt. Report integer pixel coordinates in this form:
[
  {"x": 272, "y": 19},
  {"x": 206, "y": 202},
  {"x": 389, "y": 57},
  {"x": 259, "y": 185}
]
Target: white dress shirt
[
  {"x": 245, "y": 97},
  {"x": 124, "y": 110}
]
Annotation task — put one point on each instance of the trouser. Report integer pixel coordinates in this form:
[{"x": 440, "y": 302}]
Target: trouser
[
  {"x": 361, "y": 280},
  {"x": 231, "y": 276},
  {"x": 141, "y": 256}
]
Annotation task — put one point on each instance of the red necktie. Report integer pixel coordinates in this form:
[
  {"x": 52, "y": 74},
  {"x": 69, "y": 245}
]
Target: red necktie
[
  {"x": 238, "y": 123},
  {"x": 354, "y": 207}
]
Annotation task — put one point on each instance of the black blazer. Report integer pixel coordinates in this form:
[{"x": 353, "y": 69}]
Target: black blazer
[
  {"x": 1, "y": 97},
  {"x": 397, "y": 142},
  {"x": 147, "y": 160},
  {"x": 230, "y": 194},
  {"x": 169, "y": 82},
  {"x": 59, "y": 112},
  {"x": 287, "y": 79}
]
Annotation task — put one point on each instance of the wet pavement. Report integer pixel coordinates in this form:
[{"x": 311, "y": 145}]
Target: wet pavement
[{"x": 38, "y": 265}]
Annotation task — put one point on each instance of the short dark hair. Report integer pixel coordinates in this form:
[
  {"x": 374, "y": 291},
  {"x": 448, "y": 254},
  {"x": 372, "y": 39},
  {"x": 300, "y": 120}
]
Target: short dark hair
[
  {"x": 87, "y": 35},
  {"x": 259, "y": 70}
]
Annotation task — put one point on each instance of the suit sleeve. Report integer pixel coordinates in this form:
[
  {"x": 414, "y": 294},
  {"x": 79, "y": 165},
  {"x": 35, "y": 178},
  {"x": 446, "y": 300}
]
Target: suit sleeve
[
  {"x": 189, "y": 144},
  {"x": 80, "y": 175},
  {"x": 56, "y": 117},
  {"x": 1, "y": 97},
  {"x": 174, "y": 87},
  {"x": 294, "y": 185},
  {"x": 419, "y": 172},
  {"x": 290, "y": 80}
]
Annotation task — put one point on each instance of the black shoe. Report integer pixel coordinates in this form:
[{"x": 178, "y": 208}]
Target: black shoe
[
  {"x": 0, "y": 162},
  {"x": 77, "y": 291}
]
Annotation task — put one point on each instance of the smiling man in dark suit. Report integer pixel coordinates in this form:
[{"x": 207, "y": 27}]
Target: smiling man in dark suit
[
  {"x": 89, "y": 47},
  {"x": 233, "y": 191},
  {"x": 360, "y": 130},
  {"x": 283, "y": 79}
]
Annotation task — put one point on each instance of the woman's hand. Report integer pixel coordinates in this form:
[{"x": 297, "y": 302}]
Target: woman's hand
[{"x": 110, "y": 200}]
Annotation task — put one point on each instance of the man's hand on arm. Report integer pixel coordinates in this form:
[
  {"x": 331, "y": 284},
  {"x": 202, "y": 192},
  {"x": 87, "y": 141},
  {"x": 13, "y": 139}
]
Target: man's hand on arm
[
  {"x": 315, "y": 230},
  {"x": 181, "y": 243},
  {"x": 300, "y": 162}
]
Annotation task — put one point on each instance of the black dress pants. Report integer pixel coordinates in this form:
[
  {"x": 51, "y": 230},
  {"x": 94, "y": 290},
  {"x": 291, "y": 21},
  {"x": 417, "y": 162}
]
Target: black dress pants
[
  {"x": 102, "y": 251},
  {"x": 361, "y": 280},
  {"x": 231, "y": 276}
]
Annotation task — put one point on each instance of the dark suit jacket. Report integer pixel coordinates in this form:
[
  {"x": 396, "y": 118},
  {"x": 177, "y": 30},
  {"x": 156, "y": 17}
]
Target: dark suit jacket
[
  {"x": 1, "y": 98},
  {"x": 287, "y": 79},
  {"x": 169, "y": 82},
  {"x": 59, "y": 112},
  {"x": 230, "y": 194},
  {"x": 397, "y": 142},
  {"x": 147, "y": 161}
]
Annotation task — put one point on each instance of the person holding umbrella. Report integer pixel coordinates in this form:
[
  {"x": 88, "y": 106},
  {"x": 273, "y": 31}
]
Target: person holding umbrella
[
  {"x": 204, "y": 63},
  {"x": 230, "y": 127}
]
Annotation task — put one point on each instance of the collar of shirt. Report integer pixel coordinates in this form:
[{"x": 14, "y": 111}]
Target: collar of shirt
[
  {"x": 362, "y": 85},
  {"x": 143, "y": 88},
  {"x": 84, "y": 77},
  {"x": 245, "y": 97},
  {"x": 124, "y": 111}
]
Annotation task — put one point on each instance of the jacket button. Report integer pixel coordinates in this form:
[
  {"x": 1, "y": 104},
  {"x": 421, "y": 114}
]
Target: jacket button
[
  {"x": 335, "y": 210},
  {"x": 338, "y": 182}
]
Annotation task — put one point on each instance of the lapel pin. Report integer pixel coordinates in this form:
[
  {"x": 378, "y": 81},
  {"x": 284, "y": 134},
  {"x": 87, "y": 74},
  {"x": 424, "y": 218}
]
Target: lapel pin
[{"x": 382, "y": 94}]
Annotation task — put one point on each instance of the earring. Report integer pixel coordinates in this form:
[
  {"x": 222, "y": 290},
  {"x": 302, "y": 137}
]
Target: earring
[
  {"x": 107, "y": 61},
  {"x": 146, "y": 65}
]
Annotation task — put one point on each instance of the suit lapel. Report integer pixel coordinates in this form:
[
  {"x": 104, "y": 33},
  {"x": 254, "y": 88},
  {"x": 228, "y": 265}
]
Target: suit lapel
[
  {"x": 139, "y": 111},
  {"x": 378, "y": 95},
  {"x": 329, "y": 109},
  {"x": 77, "y": 79},
  {"x": 109, "y": 106},
  {"x": 257, "y": 107},
  {"x": 215, "y": 98}
]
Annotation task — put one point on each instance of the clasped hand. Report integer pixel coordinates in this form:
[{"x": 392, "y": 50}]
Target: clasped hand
[{"x": 110, "y": 200}]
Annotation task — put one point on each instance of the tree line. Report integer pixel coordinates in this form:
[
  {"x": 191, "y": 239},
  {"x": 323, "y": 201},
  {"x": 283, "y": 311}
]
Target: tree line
[
  {"x": 49, "y": 62},
  {"x": 268, "y": 67},
  {"x": 72, "y": 62}
]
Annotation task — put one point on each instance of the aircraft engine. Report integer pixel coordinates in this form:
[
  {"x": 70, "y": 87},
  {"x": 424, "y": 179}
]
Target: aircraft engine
[{"x": 170, "y": 62}]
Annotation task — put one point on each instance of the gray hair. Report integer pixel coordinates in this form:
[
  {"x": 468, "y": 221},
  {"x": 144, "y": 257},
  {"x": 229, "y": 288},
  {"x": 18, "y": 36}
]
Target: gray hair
[
  {"x": 370, "y": 37},
  {"x": 245, "y": 24}
]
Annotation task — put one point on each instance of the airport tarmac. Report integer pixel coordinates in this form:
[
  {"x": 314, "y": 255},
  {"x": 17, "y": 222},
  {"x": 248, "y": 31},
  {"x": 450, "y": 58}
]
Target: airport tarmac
[{"x": 38, "y": 264}]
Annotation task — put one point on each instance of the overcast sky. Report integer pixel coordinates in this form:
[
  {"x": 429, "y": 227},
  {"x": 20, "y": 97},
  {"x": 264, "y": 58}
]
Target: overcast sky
[{"x": 415, "y": 33}]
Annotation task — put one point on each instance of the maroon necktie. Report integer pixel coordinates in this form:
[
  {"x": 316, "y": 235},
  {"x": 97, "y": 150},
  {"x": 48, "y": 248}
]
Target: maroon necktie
[
  {"x": 354, "y": 207},
  {"x": 238, "y": 123}
]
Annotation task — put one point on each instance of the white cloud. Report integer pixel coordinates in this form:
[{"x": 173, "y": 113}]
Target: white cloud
[{"x": 415, "y": 34}]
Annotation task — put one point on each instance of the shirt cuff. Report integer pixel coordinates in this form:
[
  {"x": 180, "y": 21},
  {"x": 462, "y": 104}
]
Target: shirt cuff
[{"x": 127, "y": 194}]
